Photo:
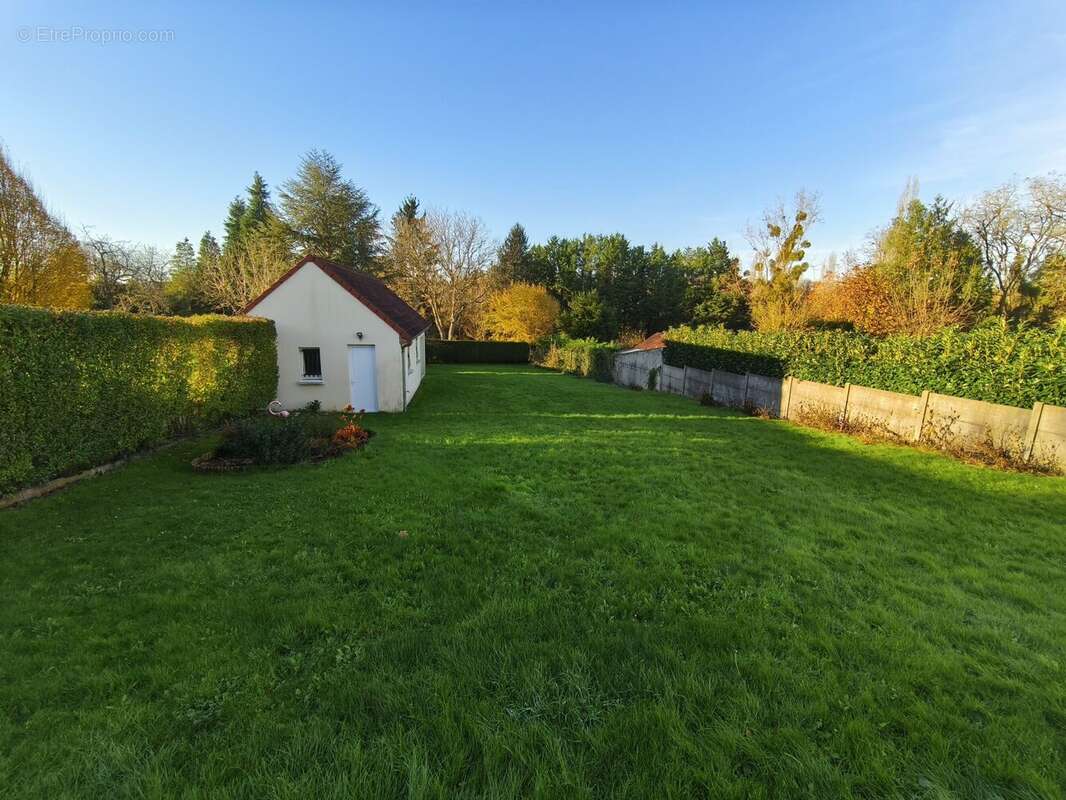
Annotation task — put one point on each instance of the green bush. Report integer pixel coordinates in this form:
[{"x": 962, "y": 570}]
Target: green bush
[
  {"x": 585, "y": 357},
  {"x": 991, "y": 363},
  {"x": 440, "y": 351},
  {"x": 266, "y": 440},
  {"x": 81, "y": 388}
]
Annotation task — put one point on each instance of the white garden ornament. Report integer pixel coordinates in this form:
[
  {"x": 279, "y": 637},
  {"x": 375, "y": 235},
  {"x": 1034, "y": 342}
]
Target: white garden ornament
[{"x": 274, "y": 407}]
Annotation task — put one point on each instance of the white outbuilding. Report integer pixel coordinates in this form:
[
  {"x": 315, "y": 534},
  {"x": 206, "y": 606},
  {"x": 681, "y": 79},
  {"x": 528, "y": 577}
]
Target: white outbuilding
[
  {"x": 344, "y": 338},
  {"x": 641, "y": 365}
]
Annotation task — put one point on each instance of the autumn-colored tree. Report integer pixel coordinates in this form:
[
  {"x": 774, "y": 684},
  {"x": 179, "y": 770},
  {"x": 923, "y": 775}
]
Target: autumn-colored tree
[
  {"x": 777, "y": 293},
  {"x": 41, "y": 262},
  {"x": 522, "y": 312},
  {"x": 922, "y": 273},
  {"x": 861, "y": 299}
]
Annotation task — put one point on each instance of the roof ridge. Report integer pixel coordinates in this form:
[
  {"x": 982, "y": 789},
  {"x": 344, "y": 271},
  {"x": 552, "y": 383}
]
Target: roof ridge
[{"x": 401, "y": 316}]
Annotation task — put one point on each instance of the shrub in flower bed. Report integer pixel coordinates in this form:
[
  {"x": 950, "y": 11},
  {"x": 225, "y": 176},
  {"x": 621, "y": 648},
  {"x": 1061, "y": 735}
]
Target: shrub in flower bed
[{"x": 279, "y": 440}]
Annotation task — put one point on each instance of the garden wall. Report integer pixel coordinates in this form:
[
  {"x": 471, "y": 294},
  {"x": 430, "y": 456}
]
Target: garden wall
[
  {"x": 78, "y": 389},
  {"x": 937, "y": 419}
]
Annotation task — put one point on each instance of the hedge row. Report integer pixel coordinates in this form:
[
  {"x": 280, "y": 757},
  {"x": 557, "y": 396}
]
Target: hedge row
[
  {"x": 79, "y": 389},
  {"x": 585, "y": 357},
  {"x": 440, "y": 351},
  {"x": 990, "y": 363}
]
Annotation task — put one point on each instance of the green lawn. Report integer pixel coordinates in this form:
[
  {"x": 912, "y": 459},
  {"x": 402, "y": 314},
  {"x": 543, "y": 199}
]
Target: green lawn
[{"x": 601, "y": 593}]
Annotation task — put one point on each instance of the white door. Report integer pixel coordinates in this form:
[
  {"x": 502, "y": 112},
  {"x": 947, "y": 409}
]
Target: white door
[{"x": 363, "y": 377}]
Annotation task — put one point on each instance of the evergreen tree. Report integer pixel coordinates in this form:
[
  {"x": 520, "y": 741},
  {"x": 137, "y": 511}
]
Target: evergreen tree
[
  {"x": 408, "y": 211},
  {"x": 512, "y": 264},
  {"x": 184, "y": 258},
  {"x": 183, "y": 286},
  {"x": 329, "y": 215},
  {"x": 231, "y": 239},
  {"x": 702, "y": 267},
  {"x": 587, "y": 317},
  {"x": 258, "y": 210},
  {"x": 208, "y": 253}
]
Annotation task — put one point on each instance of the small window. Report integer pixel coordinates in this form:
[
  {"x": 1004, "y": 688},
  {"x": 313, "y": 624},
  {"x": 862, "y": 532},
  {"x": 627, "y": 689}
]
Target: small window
[
  {"x": 409, "y": 369},
  {"x": 418, "y": 350},
  {"x": 312, "y": 364}
]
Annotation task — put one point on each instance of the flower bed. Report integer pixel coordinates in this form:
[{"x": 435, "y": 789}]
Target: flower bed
[{"x": 285, "y": 439}]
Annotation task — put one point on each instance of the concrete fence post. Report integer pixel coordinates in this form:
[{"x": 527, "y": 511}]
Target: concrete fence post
[
  {"x": 923, "y": 410},
  {"x": 788, "y": 397},
  {"x": 684, "y": 381},
  {"x": 710, "y": 389},
  {"x": 747, "y": 380},
  {"x": 1033, "y": 429}
]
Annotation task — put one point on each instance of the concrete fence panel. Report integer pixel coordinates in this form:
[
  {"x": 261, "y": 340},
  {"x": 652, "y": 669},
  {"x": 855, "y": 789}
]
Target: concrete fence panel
[
  {"x": 698, "y": 383},
  {"x": 765, "y": 393},
  {"x": 897, "y": 413},
  {"x": 810, "y": 397},
  {"x": 672, "y": 380},
  {"x": 728, "y": 388},
  {"x": 1046, "y": 437},
  {"x": 938, "y": 419},
  {"x": 962, "y": 419}
]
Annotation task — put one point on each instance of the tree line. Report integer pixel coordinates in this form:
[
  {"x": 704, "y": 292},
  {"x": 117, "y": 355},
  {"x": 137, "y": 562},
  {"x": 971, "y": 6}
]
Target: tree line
[{"x": 930, "y": 267}]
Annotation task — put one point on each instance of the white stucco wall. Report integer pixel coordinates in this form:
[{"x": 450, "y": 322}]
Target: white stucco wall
[
  {"x": 417, "y": 371},
  {"x": 631, "y": 367},
  {"x": 310, "y": 309}
]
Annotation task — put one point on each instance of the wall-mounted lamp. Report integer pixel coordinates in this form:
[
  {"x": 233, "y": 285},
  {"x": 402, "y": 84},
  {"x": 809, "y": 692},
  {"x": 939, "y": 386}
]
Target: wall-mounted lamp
[{"x": 359, "y": 335}]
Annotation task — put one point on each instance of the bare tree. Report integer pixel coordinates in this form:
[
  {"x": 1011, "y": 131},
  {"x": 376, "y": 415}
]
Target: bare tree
[
  {"x": 126, "y": 276},
  {"x": 441, "y": 265},
  {"x": 1017, "y": 230},
  {"x": 239, "y": 276}
]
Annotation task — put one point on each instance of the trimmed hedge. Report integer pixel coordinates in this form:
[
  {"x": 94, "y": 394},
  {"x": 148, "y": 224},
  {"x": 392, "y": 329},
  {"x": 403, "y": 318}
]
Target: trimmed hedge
[
  {"x": 80, "y": 388},
  {"x": 464, "y": 351},
  {"x": 990, "y": 363},
  {"x": 585, "y": 357}
]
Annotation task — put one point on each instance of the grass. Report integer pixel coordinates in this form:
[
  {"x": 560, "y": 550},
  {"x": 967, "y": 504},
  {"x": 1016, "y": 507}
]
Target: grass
[{"x": 600, "y": 592}]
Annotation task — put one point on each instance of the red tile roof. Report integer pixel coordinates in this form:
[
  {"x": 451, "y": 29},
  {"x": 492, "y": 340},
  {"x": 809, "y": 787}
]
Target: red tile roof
[
  {"x": 365, "y": 288},
  {"x": 657, "y": 341}
]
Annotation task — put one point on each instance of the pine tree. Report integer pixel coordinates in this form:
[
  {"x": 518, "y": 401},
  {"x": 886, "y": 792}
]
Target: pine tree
[
  {"x": 513, "y": 261},
  {"x": 258, "y": 210},
  {"x": 184, "y": 258},
  {"x": 231, "y": 239},
  {"x": 408, "y": 210},
  {"x": 183, "y": 285},
  {"x": 208, "y": 253}
]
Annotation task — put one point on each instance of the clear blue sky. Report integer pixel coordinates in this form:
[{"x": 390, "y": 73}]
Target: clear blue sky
[{"x": 667, "y": 122}]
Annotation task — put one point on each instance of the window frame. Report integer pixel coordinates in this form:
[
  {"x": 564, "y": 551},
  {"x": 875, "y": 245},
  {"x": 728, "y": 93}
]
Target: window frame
[{"x": 304, "y": 376}]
